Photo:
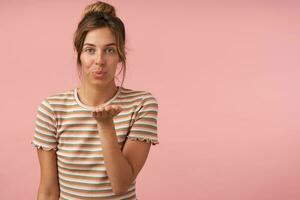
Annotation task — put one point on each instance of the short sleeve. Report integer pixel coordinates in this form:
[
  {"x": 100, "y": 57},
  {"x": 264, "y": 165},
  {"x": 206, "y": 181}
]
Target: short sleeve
[
  {"x": 144, "y": 127},
  {"x": 45, "y": 128}
]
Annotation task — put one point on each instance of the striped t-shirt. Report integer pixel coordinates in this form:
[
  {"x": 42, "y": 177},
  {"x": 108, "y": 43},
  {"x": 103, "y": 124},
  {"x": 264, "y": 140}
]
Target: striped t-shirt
[{"x": 65, "y": 124}]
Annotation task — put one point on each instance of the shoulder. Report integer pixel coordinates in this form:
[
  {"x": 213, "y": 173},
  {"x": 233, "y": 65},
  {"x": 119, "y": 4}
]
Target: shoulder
[
  {"x": 58, "y": 98},
  {"x": 64, "y": 95},
  {"x": 138, "y": 96}
]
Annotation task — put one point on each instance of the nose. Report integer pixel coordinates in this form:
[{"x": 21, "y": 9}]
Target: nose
[{"x": 99, "y": 58}]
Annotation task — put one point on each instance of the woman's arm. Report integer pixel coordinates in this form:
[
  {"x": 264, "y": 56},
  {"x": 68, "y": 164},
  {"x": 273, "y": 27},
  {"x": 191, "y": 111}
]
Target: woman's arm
[
  {"x": 49, "y": 185},
  {"x": 122, "y": 166}
]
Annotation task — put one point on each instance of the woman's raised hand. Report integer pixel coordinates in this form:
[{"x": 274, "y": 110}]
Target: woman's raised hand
[{"x": 106, "y": 112}]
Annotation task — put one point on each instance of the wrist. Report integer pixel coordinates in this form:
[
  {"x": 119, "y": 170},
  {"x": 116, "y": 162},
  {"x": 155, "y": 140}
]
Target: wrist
[{"x": 105, "y": 122}]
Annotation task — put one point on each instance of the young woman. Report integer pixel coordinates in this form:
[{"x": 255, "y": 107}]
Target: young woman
[{"x": 93, "y": 140}]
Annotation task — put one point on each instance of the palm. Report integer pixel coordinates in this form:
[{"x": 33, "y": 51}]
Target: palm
[{"x": 106, "y": 112}]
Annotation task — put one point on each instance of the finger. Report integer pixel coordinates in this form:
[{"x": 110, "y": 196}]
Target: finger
[
  {"x": 94, "y": 113},
  {"x": 100, "y": 109},
  {"x": 119, "y": 109},
  {"x": 99, "y": 112},
  {"x": 111, "y": 111},
  {"x": 105, "y": 112},
  {"x": 114, "y": 110},
  {"x": 115, "y": 107},
  {"x": 108, "y": 108}
]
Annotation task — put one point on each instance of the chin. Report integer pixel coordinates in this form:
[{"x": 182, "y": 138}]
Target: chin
[{"x": 100, "y": 82}]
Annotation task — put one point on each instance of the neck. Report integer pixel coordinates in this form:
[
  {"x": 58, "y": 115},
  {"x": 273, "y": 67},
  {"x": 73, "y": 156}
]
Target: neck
[{"x": 93, "y": 96}]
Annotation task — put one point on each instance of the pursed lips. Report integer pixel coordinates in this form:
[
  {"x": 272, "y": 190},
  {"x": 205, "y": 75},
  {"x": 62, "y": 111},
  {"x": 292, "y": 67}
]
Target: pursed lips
[{"x": 99, "y": 72}]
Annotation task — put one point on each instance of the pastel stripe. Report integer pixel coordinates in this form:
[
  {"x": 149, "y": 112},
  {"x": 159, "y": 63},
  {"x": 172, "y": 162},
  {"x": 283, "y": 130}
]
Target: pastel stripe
[{"x": 65, "y": 124}]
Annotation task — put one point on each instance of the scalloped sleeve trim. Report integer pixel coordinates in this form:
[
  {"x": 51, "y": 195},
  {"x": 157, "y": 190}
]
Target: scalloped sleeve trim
[
  {"x": 44, "y": 147},
  {"x": 142, "y": 139}
]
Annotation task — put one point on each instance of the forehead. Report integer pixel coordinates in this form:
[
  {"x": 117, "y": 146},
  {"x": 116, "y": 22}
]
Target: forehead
[{"x": 100, "y": 37}]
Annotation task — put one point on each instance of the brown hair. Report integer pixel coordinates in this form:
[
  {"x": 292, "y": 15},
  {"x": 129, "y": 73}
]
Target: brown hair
[{"x": 98, "y": 15}]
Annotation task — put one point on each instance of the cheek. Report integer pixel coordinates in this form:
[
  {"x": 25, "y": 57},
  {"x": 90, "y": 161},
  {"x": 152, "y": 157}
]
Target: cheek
[
  {"x": 114, "y": 65},
  {"x": 114, "y": 61},
  {"x": 86, "y": 62}
]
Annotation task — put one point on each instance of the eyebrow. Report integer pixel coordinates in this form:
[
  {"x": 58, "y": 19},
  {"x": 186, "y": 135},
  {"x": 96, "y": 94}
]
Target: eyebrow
[{"x": 89, "y": 44}]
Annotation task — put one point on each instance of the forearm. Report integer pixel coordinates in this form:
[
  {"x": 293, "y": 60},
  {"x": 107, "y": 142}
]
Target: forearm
[{"x": 118, "y": 168}]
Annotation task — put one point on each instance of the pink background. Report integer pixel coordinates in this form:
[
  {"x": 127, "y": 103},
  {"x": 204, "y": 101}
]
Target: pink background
[{"x": 226, "y": 76}]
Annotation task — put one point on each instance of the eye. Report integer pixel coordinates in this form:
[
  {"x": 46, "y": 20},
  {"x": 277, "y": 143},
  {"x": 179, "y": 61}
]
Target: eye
[
  {"x": 90, "y": 50},
  {"x": 110, "y": 50}
]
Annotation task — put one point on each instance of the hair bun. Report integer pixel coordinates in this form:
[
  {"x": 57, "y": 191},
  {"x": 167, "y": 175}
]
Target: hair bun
[{"x": 100, "y": 7}]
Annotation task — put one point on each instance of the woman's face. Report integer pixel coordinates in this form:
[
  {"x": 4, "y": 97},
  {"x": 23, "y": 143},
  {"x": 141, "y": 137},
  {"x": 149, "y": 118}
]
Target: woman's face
[{"x": 99, "y": 57}]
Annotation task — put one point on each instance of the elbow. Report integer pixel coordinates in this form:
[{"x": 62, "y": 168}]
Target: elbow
[
  {"x": 121, "y": 186},
  {"x": 120, "y": 189}
]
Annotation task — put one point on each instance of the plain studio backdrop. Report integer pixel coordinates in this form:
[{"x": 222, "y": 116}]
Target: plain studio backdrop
[{"x": 225, "y": 74}]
